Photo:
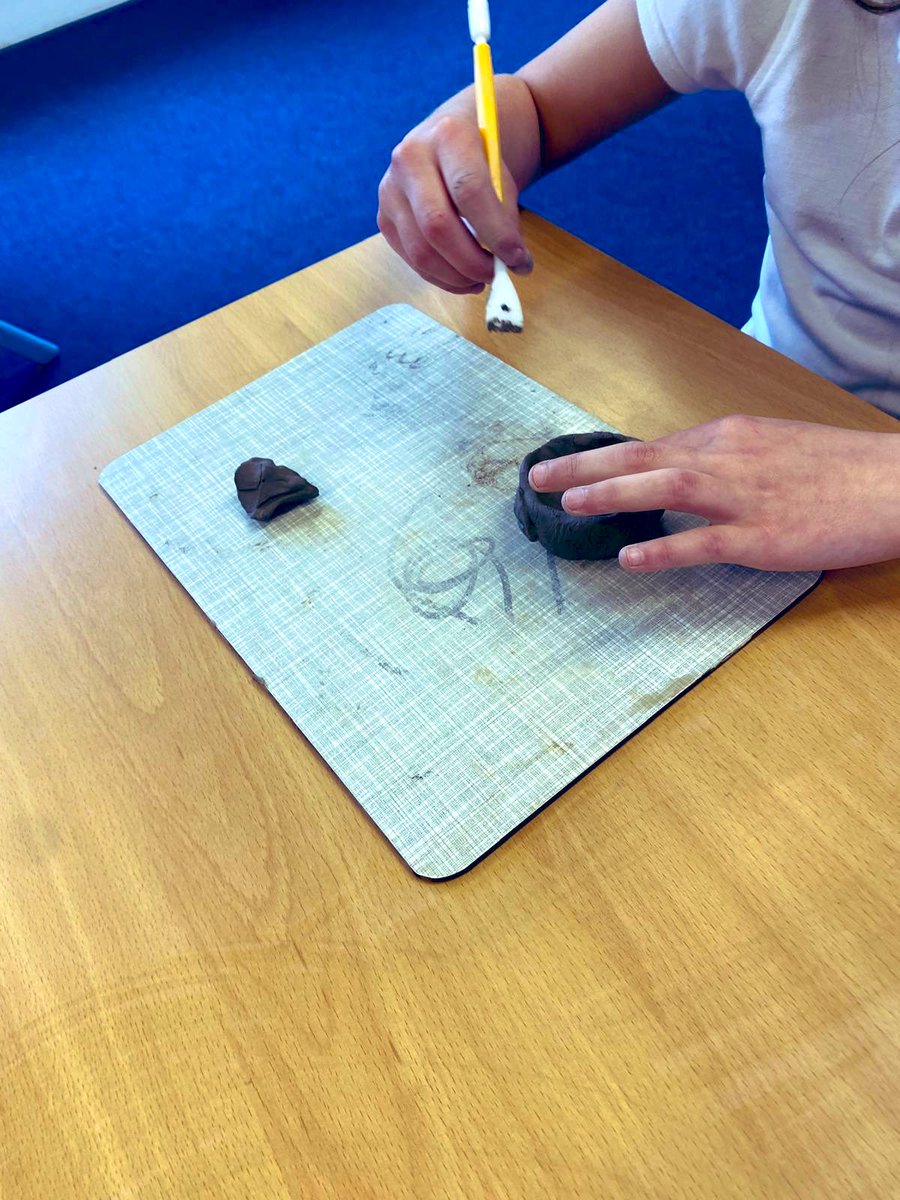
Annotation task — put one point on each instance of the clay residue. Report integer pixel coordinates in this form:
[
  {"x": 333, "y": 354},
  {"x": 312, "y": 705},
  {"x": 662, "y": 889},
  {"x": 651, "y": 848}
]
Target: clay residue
[
  {"x": 556, "y": 747},
  {"x": 646, "y": 700},
  {"x": 552, "y": 746},
  {"x": 485, "y": 471},
  {"x": 484, "y": 675}
]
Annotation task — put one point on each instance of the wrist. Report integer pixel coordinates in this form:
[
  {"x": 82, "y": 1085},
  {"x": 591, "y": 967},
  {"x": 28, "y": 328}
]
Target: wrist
[{"x": 520, "y": 134}]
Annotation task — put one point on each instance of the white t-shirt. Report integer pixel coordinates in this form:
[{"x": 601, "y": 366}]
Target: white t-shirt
[{"x": 823, "y": 80}]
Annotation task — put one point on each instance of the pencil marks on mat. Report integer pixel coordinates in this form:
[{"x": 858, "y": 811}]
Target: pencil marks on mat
[
  {"x": 438, "y": 582},
  {"x": 555, "y": 582},
  {"x": 440, "y": 577}
]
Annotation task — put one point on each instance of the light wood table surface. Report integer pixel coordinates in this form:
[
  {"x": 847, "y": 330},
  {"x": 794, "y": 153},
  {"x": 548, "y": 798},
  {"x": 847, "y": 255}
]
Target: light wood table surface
[{"x": 682, "y": 979}]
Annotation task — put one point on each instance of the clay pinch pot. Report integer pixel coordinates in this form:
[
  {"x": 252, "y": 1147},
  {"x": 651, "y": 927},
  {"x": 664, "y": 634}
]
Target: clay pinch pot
[{"x": 543, "y": 519}]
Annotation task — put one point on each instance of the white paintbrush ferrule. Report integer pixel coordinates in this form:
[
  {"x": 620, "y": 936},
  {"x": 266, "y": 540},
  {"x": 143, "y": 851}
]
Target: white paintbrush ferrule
[
  {"x": 503, "y": 313},
  {"x": 479, "y": 21}
]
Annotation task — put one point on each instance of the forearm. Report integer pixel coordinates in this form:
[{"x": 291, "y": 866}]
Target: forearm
[{"x": 593, "y": 82}]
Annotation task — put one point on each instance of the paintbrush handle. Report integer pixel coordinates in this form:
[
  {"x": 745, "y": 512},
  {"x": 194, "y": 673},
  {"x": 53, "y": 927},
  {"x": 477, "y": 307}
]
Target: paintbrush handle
[{"x": 486, "y": 105}]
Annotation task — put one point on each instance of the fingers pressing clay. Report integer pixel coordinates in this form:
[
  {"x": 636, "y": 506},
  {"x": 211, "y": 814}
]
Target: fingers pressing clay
[
  {"x": 542, "y": 518},
  {"x": 673, "y": 488}
]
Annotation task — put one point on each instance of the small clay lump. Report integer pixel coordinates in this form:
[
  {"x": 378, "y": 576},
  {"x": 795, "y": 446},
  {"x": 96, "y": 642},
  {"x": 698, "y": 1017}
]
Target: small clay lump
[
  {"x": 543, "y": 519},
  {"x": 266, "y": 490}
]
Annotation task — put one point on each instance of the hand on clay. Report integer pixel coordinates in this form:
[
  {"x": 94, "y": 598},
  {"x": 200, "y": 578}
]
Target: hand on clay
[
  {"x": 778, "y": 495},
  {"x": 437, "y": 175}
]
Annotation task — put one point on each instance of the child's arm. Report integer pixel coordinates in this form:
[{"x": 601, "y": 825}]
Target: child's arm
[{"x": 595, "y": 80}]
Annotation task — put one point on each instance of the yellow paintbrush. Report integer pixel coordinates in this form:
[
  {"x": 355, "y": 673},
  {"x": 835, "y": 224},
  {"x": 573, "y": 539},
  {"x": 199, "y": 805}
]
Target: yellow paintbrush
[{"x": 504, "y": 311}]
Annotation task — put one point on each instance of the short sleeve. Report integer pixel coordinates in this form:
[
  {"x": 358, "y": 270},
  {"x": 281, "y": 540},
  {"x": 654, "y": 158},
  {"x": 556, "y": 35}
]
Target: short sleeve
[{"x": 696, "y": 44}]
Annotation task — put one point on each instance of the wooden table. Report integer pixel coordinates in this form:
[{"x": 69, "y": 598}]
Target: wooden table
[{"x": 680, "y": 980}]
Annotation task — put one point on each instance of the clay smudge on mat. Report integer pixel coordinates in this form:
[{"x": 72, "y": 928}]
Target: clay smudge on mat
[
  {"x": 645, "y": 700},
  {"x": 485, "y": 471}
]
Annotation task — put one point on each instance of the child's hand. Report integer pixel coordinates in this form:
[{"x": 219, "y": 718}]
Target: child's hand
[
  {"x": 779, "y": 495},
  {"x": 439, "y": 173},
  {"x": 595, "y": 80}
]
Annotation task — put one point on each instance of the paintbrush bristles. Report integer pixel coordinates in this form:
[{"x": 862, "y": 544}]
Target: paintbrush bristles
[{"x": 504, "y": 309}]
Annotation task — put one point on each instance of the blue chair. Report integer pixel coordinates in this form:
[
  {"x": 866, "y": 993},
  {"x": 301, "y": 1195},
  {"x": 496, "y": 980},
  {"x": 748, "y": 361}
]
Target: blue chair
[{"x": 26, "y": 344}]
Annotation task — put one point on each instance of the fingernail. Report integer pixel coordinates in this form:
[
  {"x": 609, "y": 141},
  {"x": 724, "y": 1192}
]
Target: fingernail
[
  {"x": 633, "y": 556},
  {"x": 538, "y": 475},
  {"x": 574, "y": 499},
  {"x": 521, "y": 262}
]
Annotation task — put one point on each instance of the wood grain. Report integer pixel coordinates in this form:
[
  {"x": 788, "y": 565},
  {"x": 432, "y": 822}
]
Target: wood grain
[{"x": 216, "y": 978}]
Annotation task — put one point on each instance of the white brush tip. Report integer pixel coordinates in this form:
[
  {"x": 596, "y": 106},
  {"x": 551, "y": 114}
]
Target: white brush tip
[
  {"x": 504, "y": 309},
  {"x": 479, "y": 21}
]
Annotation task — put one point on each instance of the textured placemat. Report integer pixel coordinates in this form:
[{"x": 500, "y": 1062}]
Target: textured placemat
[{"x": 451, "y": 673}]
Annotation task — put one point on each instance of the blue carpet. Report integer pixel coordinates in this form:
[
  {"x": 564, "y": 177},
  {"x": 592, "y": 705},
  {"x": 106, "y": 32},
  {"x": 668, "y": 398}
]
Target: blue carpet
[{"x": 165, "y": 158}]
